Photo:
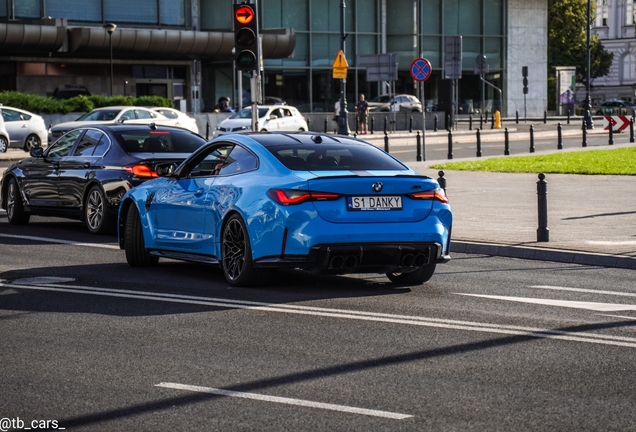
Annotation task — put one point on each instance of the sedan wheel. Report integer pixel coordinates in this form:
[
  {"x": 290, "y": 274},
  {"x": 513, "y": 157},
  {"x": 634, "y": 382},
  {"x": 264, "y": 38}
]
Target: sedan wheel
[
  {"x": 96, "y": 215},
  {"x": 32, "y": 141},
  {"x": 237, "y": 254},
  {"x": 15, "y": 207},
  {"x": 4, "y": 144},
  {"x": 421, "y": 275},
  {"x": 136, "y": 253}
]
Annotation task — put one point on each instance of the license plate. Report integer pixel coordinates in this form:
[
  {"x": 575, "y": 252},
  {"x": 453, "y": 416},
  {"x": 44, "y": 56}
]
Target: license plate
[{"x": 374, "y": 203}]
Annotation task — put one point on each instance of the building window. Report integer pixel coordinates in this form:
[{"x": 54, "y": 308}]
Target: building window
[
  {"x": 602, "y": 13},
  {"x": 628, "y": 68},
  {"x": 629, "y": 12}
]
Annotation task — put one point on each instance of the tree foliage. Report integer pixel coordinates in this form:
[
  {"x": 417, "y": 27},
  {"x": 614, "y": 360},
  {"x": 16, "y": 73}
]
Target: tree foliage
[{"x": 567, "y": 40}]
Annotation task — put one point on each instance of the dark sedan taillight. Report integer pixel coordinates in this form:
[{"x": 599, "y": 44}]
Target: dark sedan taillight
[{"x": 140, "y": 170}]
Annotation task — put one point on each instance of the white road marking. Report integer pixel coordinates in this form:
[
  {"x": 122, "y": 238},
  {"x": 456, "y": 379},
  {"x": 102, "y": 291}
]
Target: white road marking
[
  {"x": 287, "y": 401},
  {"x": 585, "y": 337},
  {"x": 612, "y": 243},
  {"x": 619, "y": 316},
  {"x": 51, "y": 240},
  {"x": 583, "y": 290},
  {"x": 600, "y": 307}
]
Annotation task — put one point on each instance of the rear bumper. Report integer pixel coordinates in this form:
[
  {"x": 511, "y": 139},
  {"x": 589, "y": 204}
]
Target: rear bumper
[{"x": 361, "y": 258}]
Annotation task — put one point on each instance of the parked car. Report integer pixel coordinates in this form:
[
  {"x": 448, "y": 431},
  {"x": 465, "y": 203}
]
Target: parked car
[
  {"x": 257, "y": 202},
  {"x": 273, "y": 118},
  {"x": 386, "y": 103},
  {"x": 26, "y": 130},
  {"x": 616, "y": 107},
  {"x": 113, "y": 114},
  {"x": 4, "y": 137},
  {"x": 178, "y": 118},
  {"x": 85, "y": 173},
  {"x": 70, "y": 92}
]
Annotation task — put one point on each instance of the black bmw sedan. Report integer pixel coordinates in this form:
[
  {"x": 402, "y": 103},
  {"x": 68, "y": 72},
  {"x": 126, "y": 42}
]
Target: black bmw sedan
[{"x": 85, "y": 173}]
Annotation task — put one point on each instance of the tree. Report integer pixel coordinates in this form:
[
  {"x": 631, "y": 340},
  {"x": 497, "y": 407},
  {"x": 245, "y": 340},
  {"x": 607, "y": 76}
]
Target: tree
[{"x": 567, "y": 40}]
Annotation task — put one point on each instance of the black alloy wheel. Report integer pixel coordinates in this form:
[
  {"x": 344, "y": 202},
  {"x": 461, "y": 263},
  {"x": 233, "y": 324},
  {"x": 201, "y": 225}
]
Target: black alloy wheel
[
  {"x": 4, "y": 144},
  {"x": 236, "y": 252},
  {"x": 15, "y": 208},
  {"x": 136, "y": 253},
  {"x": 96, "y": 215},
  {"x": 32, "y": 141}
]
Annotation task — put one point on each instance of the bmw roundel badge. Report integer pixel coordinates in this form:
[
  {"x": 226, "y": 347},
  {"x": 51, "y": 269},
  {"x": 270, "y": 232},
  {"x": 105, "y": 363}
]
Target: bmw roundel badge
[{"x": 377, "y": 186}]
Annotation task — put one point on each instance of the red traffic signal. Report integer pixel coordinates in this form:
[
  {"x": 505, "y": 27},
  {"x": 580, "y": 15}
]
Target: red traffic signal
[{"x": 246, "y": 44}]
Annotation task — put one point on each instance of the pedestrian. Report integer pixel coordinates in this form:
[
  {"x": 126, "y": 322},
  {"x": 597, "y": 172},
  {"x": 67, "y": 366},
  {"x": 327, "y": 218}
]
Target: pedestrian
[
  {"x": 336, "y": 113},
  {"x": 362, "y": 114},
  {"x": 224, "y": 105}
]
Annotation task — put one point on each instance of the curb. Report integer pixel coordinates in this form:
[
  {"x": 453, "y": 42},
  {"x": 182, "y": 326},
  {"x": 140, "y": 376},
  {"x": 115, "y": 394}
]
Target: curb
[{"x": 544, "y": 254}]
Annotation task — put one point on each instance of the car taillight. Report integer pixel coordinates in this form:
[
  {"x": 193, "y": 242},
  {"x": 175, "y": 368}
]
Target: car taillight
[
  {"x": 291, "y": 197},
  {"x": 436, "y": 194},
  {"x": 141, "y": 171}
]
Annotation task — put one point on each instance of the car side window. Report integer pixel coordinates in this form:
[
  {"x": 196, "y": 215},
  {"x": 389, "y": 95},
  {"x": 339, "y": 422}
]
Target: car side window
[
  {"x": 63, "y": 146},
  {"x": 128, "y": 115},
  {"x": 144, "y": 114},
  {"x": 169, "y": 114},
  {"x": 211, "y": 163},
  {"x": 92, "y": 144},
  {"x": 10, "y": 115},
  {"x": 239, "y": 160}
]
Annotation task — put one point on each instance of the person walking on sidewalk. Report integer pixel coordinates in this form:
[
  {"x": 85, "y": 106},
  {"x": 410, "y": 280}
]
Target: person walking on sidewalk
[{"x": 362, "y": 114}]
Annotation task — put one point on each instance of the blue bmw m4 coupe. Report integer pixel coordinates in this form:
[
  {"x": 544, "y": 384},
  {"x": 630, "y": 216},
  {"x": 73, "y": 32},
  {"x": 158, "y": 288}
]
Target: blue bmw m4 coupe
[{"x": 252, "y": 203}]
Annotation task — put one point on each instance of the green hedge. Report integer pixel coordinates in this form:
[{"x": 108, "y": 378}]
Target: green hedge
[{"x": 42, "y": 104}]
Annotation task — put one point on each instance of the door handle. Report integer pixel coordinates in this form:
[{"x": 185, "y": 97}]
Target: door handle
[
  {"x": 198, "y": 192},
  {"x": 87, "y": 164}
]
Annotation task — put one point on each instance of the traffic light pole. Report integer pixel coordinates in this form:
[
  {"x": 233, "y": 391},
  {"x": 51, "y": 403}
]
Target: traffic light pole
[{"x": 343, "y": 125}]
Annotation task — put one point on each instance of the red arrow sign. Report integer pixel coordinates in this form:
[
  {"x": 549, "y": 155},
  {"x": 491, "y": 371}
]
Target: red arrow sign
[
  {"x": 244, "y": 15},
  {"x": 619, "y": 123}
]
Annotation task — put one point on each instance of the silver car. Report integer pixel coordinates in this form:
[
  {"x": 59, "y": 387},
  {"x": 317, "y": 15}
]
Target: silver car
[
  {"x": 26, "y": 130},
  {"x": 400, "y": 102}
]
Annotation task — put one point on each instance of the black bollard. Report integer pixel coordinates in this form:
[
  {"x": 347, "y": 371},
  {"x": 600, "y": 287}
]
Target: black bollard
[
  {"x": 545, "y": 117},
  {"x": 386, "y": 142},
  {"x": 517, "y": 116},
  {"x": 385, "y": 120},
  {"x": 450, "y": 144},
  {"x": 411, "y": 125},
  {"x": 372, "y": 125},
  {"x": 308, "y": 123},
  {"x": 478, "y": 142},
  {"x": 584, "y": 143},
  {"x": 543, "y": 233},
  {"x": 441, "y": 180},
  {"x": 326, "y": 124},
  {"x": 481, "y": 121},
  {"x": 631, "y": 130},
  {"x": 435, "y": 123},
  {"x": 568, "y": 116},
  {"x": 357, "y": 125},
  {"x": 418, "y": 140},
  {"x": 559, "y": 137},
  {"x": 492, "y": 121},
  {"x": 531, "y": 139},
  {"x": 506, "y": 142},
  {"x": 207, "y": 129},
  {"x": 470, "y": 122},
  {"x": 611, "y": 134}
]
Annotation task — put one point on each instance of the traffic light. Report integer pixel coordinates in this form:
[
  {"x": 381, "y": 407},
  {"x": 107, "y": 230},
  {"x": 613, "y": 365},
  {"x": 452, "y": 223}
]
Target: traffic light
[
  {"x": 246, "y": 55},
  {"x": 524, "y": 72}
]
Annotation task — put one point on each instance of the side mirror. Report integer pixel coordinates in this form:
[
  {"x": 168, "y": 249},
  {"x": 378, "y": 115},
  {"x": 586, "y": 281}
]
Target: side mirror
[
  {"x": 36, "y": 152},
  {"x": 165, "y": 169},
  {"x": 273, "y": 117}
]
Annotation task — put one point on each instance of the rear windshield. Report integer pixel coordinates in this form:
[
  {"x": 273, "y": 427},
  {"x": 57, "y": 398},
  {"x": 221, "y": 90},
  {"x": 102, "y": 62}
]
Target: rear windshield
[
  {"x": 159, "y": 141},
  {"x": 345, "y": 157}
]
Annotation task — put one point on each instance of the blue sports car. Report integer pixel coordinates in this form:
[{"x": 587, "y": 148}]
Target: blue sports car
[{"x": 255, "y": 202}]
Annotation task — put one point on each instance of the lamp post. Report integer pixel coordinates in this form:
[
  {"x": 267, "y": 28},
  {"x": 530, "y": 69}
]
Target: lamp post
[
  {"x": 343, "y": 124},
  {"x": 589, "y": 124},
  {"x": 110, "y": 28}
]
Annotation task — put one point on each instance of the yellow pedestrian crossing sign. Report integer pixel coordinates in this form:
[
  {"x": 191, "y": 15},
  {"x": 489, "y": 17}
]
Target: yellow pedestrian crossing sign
[{"x": 340, "y": 66}]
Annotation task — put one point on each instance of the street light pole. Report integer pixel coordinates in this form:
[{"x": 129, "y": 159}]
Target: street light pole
[
  {"x": 589, "y": 123},
  {"x": 343, "y": 125},
  {"x": 110, "y": 28}
]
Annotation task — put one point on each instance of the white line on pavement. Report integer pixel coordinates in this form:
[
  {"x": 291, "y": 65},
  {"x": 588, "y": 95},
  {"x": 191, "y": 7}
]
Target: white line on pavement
[
  {"x": 51, "y": 240},
  {"x": 288, "y": 401},
  {"x": 338, "y": 313},
  {"x": 583, "y": 290},
  {"x": 599, "y": 307}
]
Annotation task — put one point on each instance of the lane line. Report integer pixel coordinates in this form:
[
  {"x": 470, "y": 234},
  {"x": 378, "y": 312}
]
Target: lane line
[
  {"x": 583, "y": 290},
  {"x": 51, "y": 240},
  {"x": 287, "y": 401},
  {"x": 595, "y": 306},
  {"x": 585, "y": 337}
]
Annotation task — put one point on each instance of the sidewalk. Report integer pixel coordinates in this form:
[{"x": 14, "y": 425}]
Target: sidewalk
[{"x": 591, "y": 219}]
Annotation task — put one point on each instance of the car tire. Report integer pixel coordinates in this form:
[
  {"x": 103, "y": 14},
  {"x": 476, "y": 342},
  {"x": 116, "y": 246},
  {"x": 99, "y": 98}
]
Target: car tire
[
  {"x": 4, "y": 144},
  {"x": 236, "y": 254},
  {"x": 15, "y": 207},
  {"x": 301, "y": 130},
  {"x": 136, "y": 253},
  {"x": 32, "y": 141},
  {"x": 421, "y": 275},
  {"x": 96, "y": 215}
]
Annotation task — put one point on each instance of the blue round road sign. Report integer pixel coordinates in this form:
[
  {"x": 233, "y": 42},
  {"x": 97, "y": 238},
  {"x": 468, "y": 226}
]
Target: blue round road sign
[{"x": 421, "y": 69}]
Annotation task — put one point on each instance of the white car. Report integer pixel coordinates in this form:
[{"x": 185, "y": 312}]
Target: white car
[
  {"x": 395, "y": 103},
  {"x": 272, "y": 118},
  {"x": 4, "y": 137},
  {"x": 25, "y": 129},
  {"x": 113, "y": 114},
  {"x": 179, "y": 118}
]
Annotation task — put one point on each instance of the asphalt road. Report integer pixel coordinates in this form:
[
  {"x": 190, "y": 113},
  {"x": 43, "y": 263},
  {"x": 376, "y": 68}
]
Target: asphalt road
[{"x": 489, "y": 344}]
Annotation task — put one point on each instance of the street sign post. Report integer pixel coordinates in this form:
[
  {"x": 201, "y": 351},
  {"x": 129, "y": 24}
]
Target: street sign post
[
  {"x": 421, "y": 70},
  {"x": 340, "y": 66}
]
